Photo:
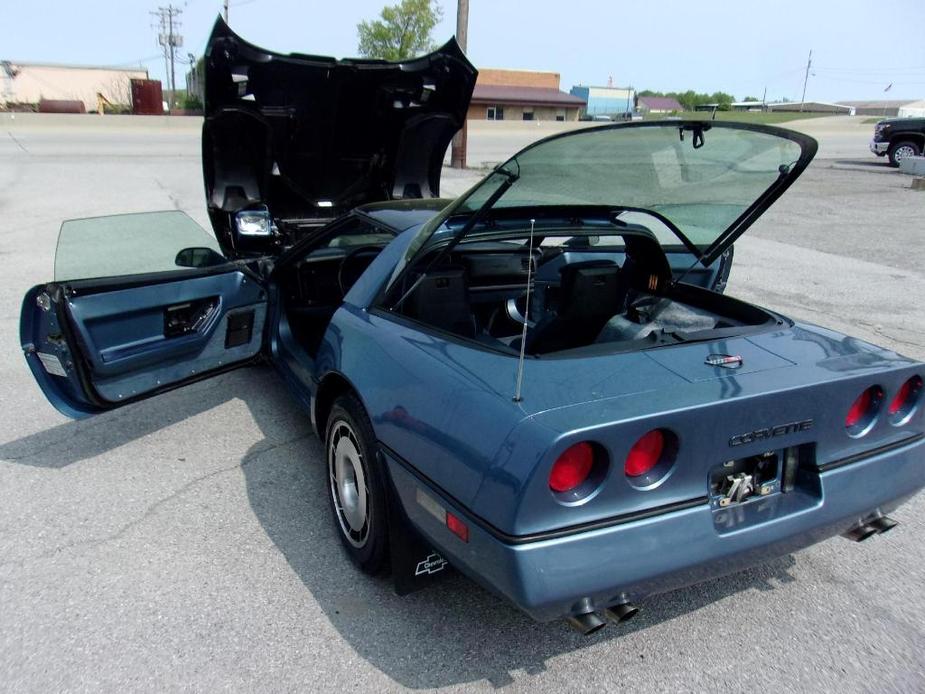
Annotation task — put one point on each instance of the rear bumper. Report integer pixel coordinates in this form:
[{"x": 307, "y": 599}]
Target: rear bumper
[
  {"x": 551, "y": 578},
  {"x": 879, "y": 148}
]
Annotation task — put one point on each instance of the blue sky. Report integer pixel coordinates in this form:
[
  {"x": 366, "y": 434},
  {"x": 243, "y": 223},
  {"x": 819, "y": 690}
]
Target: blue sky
[{"x": 705, "y": 45}]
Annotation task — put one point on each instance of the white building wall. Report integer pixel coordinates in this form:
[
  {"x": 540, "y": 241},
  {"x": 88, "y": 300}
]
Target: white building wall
[
  {"x": 32, "y": 83},
  {"x": 916, "y": 109}
]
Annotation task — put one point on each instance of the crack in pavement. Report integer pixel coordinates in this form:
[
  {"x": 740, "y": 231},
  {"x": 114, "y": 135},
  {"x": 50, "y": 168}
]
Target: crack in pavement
[
  {"x": 153, "y": 508},
  {"x": 18, "y": 143},
  {"x": 170, "y": 196},
  {"x": 823, "y": 312},
  {"x": 879, "y": 331}
]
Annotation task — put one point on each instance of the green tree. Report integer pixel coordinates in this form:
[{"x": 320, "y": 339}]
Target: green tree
[
  {"x": 402, "y": 31},
  {"x": 723, "y": 99}
]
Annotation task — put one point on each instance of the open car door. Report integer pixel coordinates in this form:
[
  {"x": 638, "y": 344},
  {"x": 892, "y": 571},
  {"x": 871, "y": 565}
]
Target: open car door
[{"x": 140, "y": 304}]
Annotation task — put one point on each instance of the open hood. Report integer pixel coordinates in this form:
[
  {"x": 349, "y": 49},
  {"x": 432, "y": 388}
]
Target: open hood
[
  {"x": 302, "y": 139},
  {"x": 697, "y": 184}
]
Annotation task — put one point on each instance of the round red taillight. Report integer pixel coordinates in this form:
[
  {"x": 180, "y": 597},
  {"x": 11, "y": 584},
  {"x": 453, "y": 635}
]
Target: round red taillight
[
  {"x": 901, "y": 397},
  {"x": 905, "y": 400},
  {"x": 572, "y": 468},
  {"x": 863, "y": 411},
  {"x": 645, "y": 454},
  {"x": 859, "y": 408}
]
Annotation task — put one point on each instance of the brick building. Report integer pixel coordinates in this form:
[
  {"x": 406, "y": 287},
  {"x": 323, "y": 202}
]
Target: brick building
[{"x": 522, "y": 95}]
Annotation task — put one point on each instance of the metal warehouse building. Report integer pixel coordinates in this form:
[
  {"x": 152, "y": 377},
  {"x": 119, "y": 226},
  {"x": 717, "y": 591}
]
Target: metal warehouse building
[
  {"x": 502, "y": 94},
  {"x": 903, "y": 108},
  {"x": 605, "y": 101},
  {"x": 30, "y": 83},
  {"x": 812, "y": 107}
]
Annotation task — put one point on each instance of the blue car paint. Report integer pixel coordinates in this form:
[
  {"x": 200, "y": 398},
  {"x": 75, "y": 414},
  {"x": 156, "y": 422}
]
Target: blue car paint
[
  {"x": 451, "y": 406},
  {"x": 444, "y": 415},
  {"x": 443, "y": 412},
  {"x": 120, "y": 331},
  {"x": 629, "y": 561}
]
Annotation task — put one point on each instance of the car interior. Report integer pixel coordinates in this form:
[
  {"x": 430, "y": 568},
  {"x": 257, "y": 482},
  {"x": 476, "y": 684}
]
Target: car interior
[{"x": 588, "y": 292}]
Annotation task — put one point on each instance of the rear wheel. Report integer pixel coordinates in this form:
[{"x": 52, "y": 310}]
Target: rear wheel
[
  {"x": 356, "y": 485},
  {"x": 903, "y": 150}
]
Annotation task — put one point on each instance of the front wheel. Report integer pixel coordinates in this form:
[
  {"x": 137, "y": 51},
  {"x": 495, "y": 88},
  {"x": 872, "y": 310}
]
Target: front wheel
[
  {"x": 356, "y": 485},
  {"x": 903, "y": 150}
]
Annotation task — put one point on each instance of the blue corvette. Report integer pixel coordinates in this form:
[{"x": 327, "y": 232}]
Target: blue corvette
[{"x": 540, "y": 383}]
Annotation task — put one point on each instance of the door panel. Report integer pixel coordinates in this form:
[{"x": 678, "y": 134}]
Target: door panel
[{"x": 92, "y": 347}]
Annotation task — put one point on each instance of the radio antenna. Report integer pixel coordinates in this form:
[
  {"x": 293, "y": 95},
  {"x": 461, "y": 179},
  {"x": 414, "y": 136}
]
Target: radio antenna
[{"x": 523, "y": 335}]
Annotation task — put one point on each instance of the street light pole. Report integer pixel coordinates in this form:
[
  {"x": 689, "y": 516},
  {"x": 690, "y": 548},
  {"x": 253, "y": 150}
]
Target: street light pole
[{"x": 460, "y": 139}]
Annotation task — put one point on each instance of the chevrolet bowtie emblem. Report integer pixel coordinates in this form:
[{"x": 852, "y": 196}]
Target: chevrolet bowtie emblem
[{"x": 725, "y": 361}]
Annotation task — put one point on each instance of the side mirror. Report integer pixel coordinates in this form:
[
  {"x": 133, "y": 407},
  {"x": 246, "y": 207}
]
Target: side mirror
[{"x": 199, "y": 257}]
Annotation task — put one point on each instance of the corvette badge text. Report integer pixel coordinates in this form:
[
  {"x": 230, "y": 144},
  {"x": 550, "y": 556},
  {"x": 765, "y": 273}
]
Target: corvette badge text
[{"x": 771, "y": 432}]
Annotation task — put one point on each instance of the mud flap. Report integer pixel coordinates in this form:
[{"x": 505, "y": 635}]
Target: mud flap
[{"x": 414, "y": 562}]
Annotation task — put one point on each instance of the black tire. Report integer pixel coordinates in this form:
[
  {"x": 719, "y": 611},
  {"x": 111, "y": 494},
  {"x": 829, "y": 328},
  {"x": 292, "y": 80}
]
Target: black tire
[
  {"x": 902, "y": 149},
  {"x": 350, "y": 451}
]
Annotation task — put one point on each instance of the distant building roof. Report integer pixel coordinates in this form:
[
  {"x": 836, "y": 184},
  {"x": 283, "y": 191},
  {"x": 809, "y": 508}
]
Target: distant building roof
[
  {"x": 110, "y": 68},
  {"x": 611, "y": 87},
  {"x": 810, "y": 107},
  {"x": 540, "y": 96},
  {"x": 878, "y": 103},
  {"x": 660, "y": 103}
]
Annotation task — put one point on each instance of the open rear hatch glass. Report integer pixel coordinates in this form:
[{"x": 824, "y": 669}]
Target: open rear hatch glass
[{"x": 700, "y": 183}]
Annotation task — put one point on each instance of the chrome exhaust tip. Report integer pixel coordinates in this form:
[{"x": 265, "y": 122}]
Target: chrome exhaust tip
[
  {"x": 622, "y": 613},
  {"x": 861, "y": 532},
  {"x": 883, "y": 524},
  {"x": 586, "y": 623}
]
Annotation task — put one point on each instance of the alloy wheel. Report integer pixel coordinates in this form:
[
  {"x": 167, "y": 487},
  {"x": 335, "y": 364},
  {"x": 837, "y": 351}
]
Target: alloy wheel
[
  {"x": 903, "y": 152},
  {"x": 349, "y": 489}
]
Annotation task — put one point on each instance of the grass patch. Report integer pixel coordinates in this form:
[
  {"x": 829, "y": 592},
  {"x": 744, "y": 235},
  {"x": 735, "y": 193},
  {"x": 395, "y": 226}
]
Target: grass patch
[{"x": 767, "y": 117}]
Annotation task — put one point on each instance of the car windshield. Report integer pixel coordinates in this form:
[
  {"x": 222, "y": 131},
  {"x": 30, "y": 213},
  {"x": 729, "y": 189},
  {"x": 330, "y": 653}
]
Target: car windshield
[{"x": 687, "y": 181}]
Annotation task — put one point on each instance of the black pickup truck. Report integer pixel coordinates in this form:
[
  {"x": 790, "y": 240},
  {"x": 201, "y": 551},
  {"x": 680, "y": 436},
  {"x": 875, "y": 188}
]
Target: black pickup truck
[{"x": 899, "y": 138}]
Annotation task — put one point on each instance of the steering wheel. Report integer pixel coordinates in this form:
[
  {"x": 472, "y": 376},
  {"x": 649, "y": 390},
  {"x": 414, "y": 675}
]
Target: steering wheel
[{"x": 354, "y": 264}]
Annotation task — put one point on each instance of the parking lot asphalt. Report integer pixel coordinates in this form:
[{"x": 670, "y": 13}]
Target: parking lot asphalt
[{"x": 185, "y": 542}]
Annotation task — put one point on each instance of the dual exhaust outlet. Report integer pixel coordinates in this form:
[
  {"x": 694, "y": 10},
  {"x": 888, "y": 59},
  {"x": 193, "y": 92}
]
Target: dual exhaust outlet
[
  {"x": 589, "y": 622},
  {"x": 869, "y": 528}
]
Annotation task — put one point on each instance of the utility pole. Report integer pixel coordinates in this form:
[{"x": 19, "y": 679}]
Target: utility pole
[
  {"x": 460, "y": 139},
  {"x": 169, "y": 40},
  {"x": 809, "y": 64},
  {"x": 170, "y": 43}
]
